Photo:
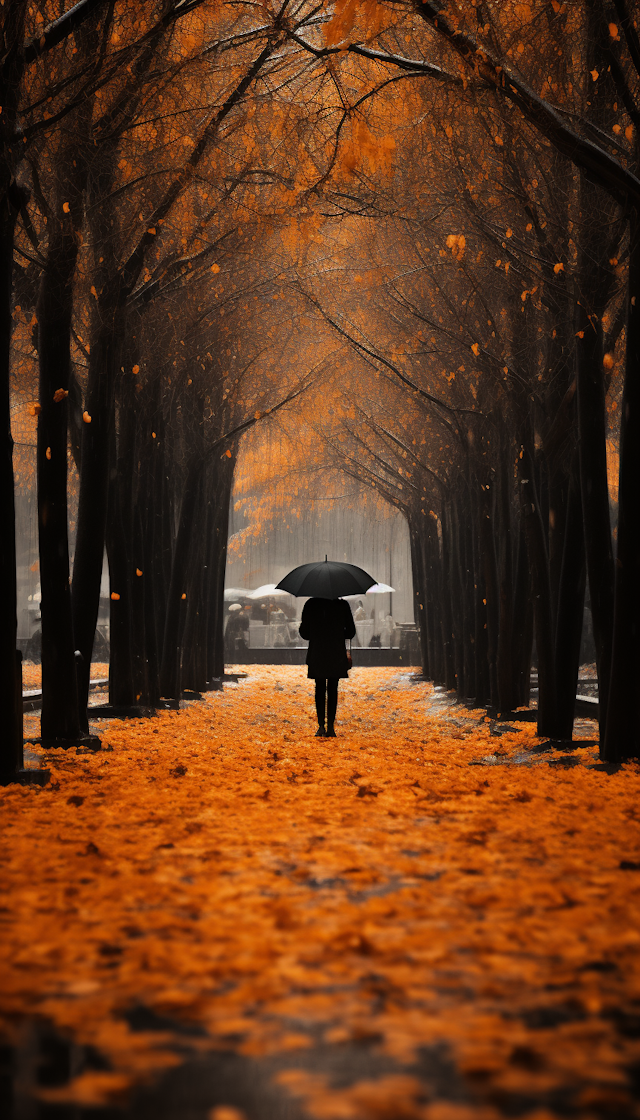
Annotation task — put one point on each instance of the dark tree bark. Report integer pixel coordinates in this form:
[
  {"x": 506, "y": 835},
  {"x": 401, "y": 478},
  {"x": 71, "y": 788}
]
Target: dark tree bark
[
  {"x": 622, "y": 739},
  {"x": 177, "y": 594},
  {"x": 10, "y": 201},
  {"x": 54, "y": 310},
  {"x": 417, "y": 566},
  {"x": 595, "y": 489},
  {"x": 507, "y": 696},
  {"x": 125, "y": 673},
  {"x": 541, "y": 590},
  {"x": 570, "y": 608},
  {"x": 448, "y": 637},
  {"x": 223, "y": 485},
  {"x": 523, "y": 635},
  {"x": 93, "y": 498},
  {"x": 488, "y": 554}
]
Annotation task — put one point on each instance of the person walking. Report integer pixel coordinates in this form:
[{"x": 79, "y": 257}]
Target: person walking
[{"x": 325, "y": 624}]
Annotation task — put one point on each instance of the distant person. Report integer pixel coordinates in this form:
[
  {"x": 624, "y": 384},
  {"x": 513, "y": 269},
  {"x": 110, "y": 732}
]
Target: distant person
[
  {"x": 260, "y": 613},
  {"x": 325, "y": 624},
  {"x": 360, "y": 614},
  {"x": 237, "y": 630},
  {"x": 392, "y": 628}
]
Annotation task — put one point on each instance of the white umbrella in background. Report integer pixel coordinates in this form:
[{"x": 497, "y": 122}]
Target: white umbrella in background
[
  {"x": 267, "y": 590},
  {"x": 235, "y": 593},
  {"x": 381, "y": 589}
]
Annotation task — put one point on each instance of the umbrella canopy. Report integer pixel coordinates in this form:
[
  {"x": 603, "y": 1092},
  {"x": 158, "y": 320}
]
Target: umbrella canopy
[
  {"x": 235, "y": 607},
  {"x": 266, "y": 591},
  {"x": 380, "y": 589},
  {"x": 330, "y": 579},
  {"x": 234, "y": 593}
]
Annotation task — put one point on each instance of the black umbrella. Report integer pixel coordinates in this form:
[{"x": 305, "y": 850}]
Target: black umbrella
[{"x": 327, "y": 580}]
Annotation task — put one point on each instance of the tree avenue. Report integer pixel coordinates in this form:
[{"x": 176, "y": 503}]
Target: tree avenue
[{"x": 404, "y": 237}]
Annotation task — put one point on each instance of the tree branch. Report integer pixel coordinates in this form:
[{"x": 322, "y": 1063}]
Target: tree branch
[{"x": 60, "y": 29}]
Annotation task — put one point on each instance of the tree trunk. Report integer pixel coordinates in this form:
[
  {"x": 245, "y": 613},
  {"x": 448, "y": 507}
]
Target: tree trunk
[
  {"x": 437, "y": 598},
  {"x": 488, "y": 553},
  {"x": 457, "y": 601},
  {"x": 523, "y": 636},
  {"x": 541, "y": 590},
  {"x": 622, "y": 738},
  {"x": 469, "y": 605},
  {"x": 480, "y": 620},
  {"x": 223, "y": 485},
  {"x": 54, "y": 310},
  {"x": 93, "y": 499},
  {"x": 507, "y": 699},
  {"x": 448, "y": 638},
  {"x": 123, "y": 685},
  {"x": 570, "y": 608},
  {"x": 177, "y": 595},
  {"x": 595, "y": 495},
  {"x": 11, "y": 728},
  {"x": 417, "y": 566}
]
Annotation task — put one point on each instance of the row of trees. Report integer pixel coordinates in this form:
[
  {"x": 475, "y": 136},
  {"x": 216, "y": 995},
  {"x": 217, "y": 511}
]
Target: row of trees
[
  {"x": 389, "y": 173},
  {"x": 137, "y": 151},
  {"x": 485, "y": 288},
  {"x": 518, "y": 277}
]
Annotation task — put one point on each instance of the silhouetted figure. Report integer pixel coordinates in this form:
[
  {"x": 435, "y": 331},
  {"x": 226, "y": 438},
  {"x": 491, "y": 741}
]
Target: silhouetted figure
[
  {"x": 325, "y": 624},
  {"x": 236, "y": 635}
]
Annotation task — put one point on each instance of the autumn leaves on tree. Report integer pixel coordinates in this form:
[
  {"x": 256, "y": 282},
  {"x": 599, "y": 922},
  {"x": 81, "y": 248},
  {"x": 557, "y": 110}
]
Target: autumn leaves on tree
[{"x": 208, "y": 210}]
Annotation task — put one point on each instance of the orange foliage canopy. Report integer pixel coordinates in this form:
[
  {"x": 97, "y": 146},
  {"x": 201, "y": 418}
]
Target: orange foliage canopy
[{"x": 222, "y": 865}]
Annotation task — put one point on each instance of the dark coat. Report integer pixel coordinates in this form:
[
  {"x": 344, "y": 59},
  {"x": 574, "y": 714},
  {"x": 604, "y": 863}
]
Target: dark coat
[{"x": 326, "y": 623}]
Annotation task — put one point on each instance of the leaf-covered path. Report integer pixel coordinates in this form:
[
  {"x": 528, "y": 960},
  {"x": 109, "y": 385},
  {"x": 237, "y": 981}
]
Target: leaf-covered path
[{"x": 422, "y": 919}]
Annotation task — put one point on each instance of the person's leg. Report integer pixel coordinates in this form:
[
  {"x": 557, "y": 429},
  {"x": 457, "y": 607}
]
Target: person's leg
[
  {"x": 332, "y": 703},
  {"x": 321, "y": 687}
]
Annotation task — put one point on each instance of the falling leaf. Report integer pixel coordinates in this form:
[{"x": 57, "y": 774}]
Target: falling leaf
[
  {"x": 86, "y": 417},
  {"x": 48, "y": 453},
  {"x": 65, "y": 207},
  {"x": 60, "y": 395},
  {"x": 225, "y": 1112},
  {"x": 115, "y": 596},
  {"x": 559, "y": 267}
]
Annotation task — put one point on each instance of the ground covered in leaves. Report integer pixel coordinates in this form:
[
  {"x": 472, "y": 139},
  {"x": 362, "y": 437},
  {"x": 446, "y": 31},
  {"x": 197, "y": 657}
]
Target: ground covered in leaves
[
  {"x": 427, "y": 885},
  {"x": 32, "y": 673}
]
